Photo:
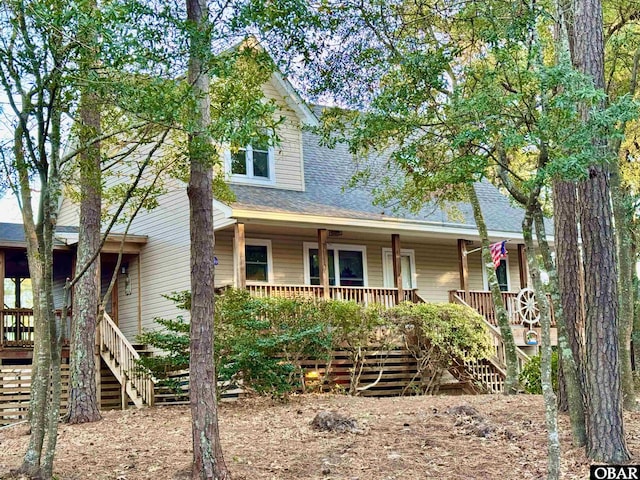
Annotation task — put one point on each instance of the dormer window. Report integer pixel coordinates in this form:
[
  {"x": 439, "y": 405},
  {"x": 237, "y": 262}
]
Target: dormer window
[{"x": 252, "y": 164}]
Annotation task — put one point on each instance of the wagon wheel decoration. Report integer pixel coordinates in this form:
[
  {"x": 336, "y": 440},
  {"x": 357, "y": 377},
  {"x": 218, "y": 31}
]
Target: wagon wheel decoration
[{"x": 527, "y": 307}]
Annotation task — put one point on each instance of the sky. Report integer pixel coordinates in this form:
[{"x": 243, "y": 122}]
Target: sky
[{"x": 9, "y": 211}]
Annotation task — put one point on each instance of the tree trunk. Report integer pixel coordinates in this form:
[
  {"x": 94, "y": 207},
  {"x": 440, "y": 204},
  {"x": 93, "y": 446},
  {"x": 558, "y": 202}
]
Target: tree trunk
[
  {"x": 551, "y": 413},
  {"x": 570, "y": 280},
  {"x": 605, "y": 432},
  {"x": 41, "y": 354},
  {"x": 567, "y": 290},
  {"x": 626, "y": 266},
  {"x": 511, "y": 383},
  {"x": 570, "y": 374},
  {"x": 208, "y": 462},
  {"x": 49, "y": 207},
  {"x": 635, "y": 335},
  {"x": 83, "y": 395},
  {"x": 45, "y": 381}
]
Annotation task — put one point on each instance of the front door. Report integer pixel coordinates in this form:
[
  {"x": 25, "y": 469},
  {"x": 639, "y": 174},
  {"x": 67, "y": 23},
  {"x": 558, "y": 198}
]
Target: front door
[{"x": 407, "y": 264}]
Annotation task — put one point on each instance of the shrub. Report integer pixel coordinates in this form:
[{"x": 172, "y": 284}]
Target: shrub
[
  {"x": 531, "y": 374},
  {"x": 439, "y": 336},
  {"x": 257, "y": 341},
  {"x": 263, "y": 341},
  {"x": 173, "y": 340},
  {"x": 455, "y": 330}
]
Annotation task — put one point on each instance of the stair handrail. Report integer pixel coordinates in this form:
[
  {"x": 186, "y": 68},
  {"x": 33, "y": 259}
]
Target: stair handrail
[
  {"x": 112, "y": 338},
  {"x": 523, "y": 358}
]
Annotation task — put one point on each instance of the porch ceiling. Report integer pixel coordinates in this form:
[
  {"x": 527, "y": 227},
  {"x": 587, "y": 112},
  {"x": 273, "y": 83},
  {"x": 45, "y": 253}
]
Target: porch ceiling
[{"x": 342, "y": 234}]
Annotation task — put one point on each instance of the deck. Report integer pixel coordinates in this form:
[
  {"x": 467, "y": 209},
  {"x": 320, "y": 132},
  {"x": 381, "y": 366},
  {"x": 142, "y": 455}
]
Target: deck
[
  {"x": 17, "y": 325},
  {"x": 388, "y": 297},
  {"x": 483, "y": 302},
  {"x": 132, "y": 386}
]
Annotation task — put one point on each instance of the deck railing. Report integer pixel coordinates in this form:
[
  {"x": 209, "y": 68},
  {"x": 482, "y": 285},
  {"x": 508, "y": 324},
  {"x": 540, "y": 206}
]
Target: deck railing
[
  {"x": 122, "y": 359},
  {"x": 387, "y": 297},
  {"x": 17, "y": 327},
  {"x": 492, "y": 371},
  {"x": 483, "y": 303}
]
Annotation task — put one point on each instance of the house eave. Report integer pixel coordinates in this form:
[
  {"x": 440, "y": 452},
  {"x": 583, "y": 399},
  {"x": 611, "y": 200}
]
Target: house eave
[
  {"x": 132, "y": 243},
  {"x": 294, "y": 100},
  {"x": 391, "y": 225},
  {"x": 23, "y": 245}
]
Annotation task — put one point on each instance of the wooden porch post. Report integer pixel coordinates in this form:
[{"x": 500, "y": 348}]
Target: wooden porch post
[
  {"x": 323, "y": 261},
  {"x": 98, "y": 347},
  {"x": 97, "y": 359},
  {"x": 139, "y": 293},
  {"x": 239, "y": 252},
  {"x": 397, "y": 265},
  {"x": 464, "y": 266},
  {"x": 114, "y": 302},
  {"x": 2, "y": 267},
  {"x": 522, "y": 266}
]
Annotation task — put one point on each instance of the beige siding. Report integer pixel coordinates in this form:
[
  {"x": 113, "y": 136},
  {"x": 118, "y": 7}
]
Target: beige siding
[
  {"x": 288, "y": 153},
  {"x": 69, "y": 213},
  {"x": 437, "y": 269},
  {"x": 218, "y": 216},
  {"x": 224, "y": 253},
  {"x": 164, "y": 263}
]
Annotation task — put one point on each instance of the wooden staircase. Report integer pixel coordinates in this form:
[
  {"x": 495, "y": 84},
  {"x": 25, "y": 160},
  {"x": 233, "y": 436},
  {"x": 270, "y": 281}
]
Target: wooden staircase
[
  {"x": 122, "y": 360},
  {"x": 489, "y": 374}
]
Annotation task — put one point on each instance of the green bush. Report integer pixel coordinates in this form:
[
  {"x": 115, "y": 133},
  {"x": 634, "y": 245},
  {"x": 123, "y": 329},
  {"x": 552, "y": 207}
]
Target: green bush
[
  {"x": 531, "y": 374},
  {"x": 440, "y": 336},
  {"x": 261, "y": 342},
  {"x": 173, "y": 340},
  {"x": 455, "y": 331},
  {"x": 257, "y": 341}
]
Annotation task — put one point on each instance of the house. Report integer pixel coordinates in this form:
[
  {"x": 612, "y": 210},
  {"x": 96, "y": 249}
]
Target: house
[{"x": 296, "y": 230}]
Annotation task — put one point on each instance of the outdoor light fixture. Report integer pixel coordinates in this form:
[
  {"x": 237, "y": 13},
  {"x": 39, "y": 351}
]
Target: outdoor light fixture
[{"x": 124, "y": 270}]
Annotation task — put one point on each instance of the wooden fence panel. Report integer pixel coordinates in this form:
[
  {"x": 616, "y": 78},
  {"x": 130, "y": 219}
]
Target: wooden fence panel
[{"x": 15, "y": 391}]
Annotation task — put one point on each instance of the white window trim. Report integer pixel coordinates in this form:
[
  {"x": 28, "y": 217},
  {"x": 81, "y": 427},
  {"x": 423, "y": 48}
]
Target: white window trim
[
  {"x": 249, "y": 178},
  {"x": 262, "y": 243},
  {"x": 335, "y": 247},
  {"x": 485, "y": 278},
  {"x": 404, "y": 252}
]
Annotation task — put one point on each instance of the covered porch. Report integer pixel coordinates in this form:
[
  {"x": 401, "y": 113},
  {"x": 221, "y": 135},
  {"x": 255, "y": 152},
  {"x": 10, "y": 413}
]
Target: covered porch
[
  {"x": 368, "y": 267},
  {"x": 16, "y": 312}
]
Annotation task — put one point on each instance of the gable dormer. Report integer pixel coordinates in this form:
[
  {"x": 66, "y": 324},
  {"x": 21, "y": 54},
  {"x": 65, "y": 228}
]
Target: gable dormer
[{"x": 280, "y": 166}]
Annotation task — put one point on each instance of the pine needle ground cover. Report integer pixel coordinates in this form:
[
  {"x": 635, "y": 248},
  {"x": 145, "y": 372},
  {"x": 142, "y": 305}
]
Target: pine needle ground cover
[{"x": 410, "y": 437}]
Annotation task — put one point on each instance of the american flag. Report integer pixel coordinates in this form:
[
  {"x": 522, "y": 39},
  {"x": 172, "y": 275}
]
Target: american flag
[{"x": 498, "y": 252}]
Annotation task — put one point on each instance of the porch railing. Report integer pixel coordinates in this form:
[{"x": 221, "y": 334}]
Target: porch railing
[
  {"x": 483, "y": 303},
  {"x": 17, "y": 327},
  {"x": 122, "y": 359},
  {"x": 387, "y": 297}
]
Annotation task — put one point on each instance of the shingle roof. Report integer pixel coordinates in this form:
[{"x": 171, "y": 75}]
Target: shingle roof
[
  {"x": 328, "y": 171},
  {"x": 12, "y": 234}
]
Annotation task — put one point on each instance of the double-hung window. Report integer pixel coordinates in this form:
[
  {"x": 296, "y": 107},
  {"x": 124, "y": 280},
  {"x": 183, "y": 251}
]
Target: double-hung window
[
  {"x": 347, "y": 265},
  {"x": 258, "y": 261},
  {"x": 252, "y": 164}
]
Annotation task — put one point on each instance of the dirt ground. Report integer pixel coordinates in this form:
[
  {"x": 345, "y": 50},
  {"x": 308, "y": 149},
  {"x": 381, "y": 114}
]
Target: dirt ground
[{"x": 397, "y": 438}]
